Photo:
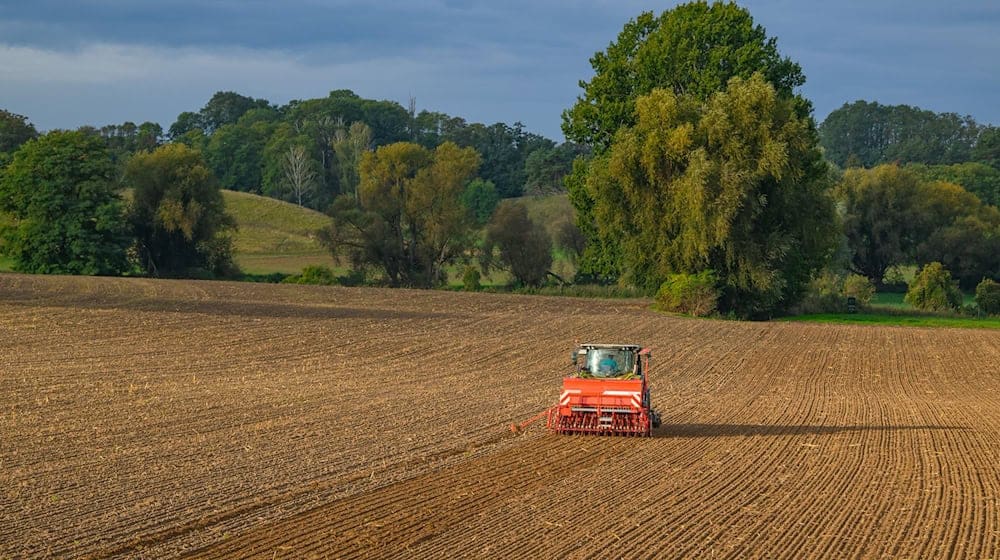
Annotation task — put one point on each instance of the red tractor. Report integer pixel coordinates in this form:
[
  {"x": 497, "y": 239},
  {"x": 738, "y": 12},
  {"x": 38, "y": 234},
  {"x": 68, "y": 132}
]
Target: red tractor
[{"x": 608, "y": 393}]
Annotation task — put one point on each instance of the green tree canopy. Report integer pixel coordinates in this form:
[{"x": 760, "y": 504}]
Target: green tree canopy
[
  {"x": 546, "y": 168},
  {"x": 235, "y": 153},
  {"x": 67, "y": 217},
  {"x": 735, "y": 185},
  {"x": 14, "y": 131},
  {"x": 892, "y": 217},
  {"x": 868, "y": 134},
  {"x": 226, "y": 107},
  {"x": 177, "y": 213},
  {"x": 408, "y": 220},
  {"x": 692, "y": 49},
  {"x": 481, "y": 198},
  {"x": 977, "y": 178}
]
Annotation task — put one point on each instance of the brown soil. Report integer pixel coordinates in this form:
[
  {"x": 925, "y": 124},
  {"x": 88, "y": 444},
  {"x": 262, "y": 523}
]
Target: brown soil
[{"x": 143, "y": 418}]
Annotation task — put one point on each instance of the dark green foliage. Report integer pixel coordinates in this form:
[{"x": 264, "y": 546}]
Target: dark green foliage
[
  {"x": 504, "y": 150},
  {"x": 546, "y": 168},
  {"x": 524, "y": 247},
  {"x": 124, "y": 139},
  {"x": 67, "y": 217},
  {"x": 471, "y": 279},
  {"x": 977, "y": 178},
  {"x": 934, "y": 290},
  {"x": 692, "y": 49},
  {"x": 225, "y": 107},
  {"x": 691, "y": 294},
  {"x": 892, "y": 218},
  {"x": 969, "y": 246},
  {"x": 870, "y": 134},
  {"x": 317, "y": 275},
  {"x": 235, "y": 153},
  {"x": 14, "y": 131},
  {"x": 177, "y": 214},
  {"x": 988, "y": 297},
  {"x": 274, "y": 182},
  {"x": 481, "y": 198},
  {"x": 880, "y": 221},
  {"x": 185, "y": 123},
  {"x": 987, "y": 150}
]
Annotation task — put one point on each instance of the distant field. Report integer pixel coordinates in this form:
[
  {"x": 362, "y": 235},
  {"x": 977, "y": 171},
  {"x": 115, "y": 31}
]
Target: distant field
[{"x": 896, "y": 319}]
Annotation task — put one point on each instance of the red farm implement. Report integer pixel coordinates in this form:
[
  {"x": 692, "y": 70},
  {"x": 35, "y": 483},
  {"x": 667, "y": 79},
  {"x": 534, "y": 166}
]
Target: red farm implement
[{"x": 608, "y": 393}]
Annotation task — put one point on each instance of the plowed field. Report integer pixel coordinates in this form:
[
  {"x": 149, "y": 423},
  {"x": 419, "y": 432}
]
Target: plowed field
[{"x": 156, "y": 419}]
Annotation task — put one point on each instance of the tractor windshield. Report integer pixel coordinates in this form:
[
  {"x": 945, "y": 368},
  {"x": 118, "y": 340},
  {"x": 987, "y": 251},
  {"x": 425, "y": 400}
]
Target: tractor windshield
[{"x": 610, "y": 362}]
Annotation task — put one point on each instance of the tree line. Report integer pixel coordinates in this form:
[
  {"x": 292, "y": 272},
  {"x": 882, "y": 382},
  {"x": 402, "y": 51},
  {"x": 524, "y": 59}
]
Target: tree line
[
  {"x": 694, "y": 167},
  {"x": 411, "y": 207},
  {"x": 308, "y": 151}
]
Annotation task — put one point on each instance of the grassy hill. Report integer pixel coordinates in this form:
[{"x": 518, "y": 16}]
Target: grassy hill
[{"x": 275, "y": 236}]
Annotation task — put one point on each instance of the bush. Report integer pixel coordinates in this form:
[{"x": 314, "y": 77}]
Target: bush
[
  {"x": 356, "y": 277},
  {"x": 317, "y": 275},
  {"x": 860, "y": 288},
  {"x": 692, "y": 294},
  {"x": 933, "y": 289},
  {"x": 825, "y": 295},
  {"x": 525, "y": 246},
  {"x": 988, "y": 297},
  {"x": 470, "y": 279}
]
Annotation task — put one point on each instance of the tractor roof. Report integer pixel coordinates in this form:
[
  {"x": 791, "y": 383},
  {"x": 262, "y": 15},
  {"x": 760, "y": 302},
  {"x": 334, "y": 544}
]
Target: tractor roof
[{"x": 615, "y": 346}]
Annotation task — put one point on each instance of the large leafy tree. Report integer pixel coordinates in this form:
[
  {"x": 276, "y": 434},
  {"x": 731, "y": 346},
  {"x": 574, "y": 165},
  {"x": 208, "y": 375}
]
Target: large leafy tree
[
  {"x": 735, "y": 185},
  {"x": 692, "y": 49},
  {"x": 408, "y": 220},
  {"x": 67, "y": 216},
  {"x": 178, "y": 214}
]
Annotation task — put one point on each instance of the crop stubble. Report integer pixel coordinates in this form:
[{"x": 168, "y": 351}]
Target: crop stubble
[{"x": 143, "y": 418}]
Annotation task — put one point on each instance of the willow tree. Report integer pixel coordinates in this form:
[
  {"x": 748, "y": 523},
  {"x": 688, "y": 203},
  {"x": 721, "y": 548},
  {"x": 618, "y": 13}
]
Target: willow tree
[
  {"x": 408, "y": 220},
  {"x": 735, "y": 185},
  {"x": 693, "y": 49}
]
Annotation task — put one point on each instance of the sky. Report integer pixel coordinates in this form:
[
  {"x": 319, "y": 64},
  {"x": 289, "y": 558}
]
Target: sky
[{"x": 68, "y": 63}]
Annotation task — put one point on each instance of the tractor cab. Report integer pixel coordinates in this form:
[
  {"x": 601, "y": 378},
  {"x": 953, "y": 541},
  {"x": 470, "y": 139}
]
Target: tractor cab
[{"x": 608, "y": 361}]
